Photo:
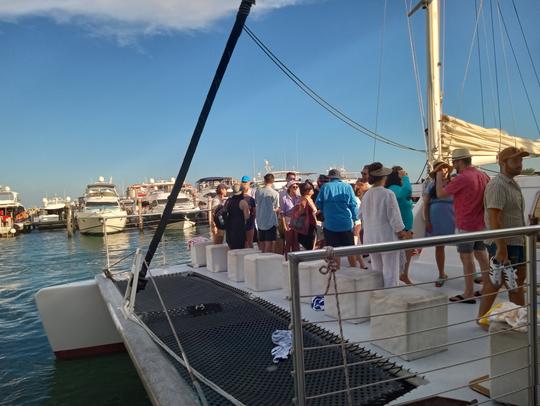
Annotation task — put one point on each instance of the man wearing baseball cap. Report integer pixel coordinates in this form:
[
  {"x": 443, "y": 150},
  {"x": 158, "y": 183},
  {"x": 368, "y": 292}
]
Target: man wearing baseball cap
[
  {"x": 504, "y": 205},
  {"x": 467, "y": 189}
]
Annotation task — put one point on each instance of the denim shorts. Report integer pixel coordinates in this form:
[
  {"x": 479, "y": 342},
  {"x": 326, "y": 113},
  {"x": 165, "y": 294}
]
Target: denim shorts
[
  {"x": 469, "y": 247},
  {"x": 516, "y": 253}
]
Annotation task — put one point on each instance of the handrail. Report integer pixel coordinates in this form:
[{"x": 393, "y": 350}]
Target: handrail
[
  {"x": 302, "y": 256},
  {"x": 529, "y": 234}
]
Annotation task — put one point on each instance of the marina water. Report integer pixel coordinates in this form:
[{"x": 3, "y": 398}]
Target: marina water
[{"x": 29, "y": 372}]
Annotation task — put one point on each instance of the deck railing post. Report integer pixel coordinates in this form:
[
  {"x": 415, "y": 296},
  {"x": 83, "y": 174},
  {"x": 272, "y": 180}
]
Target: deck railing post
[
  {"x": 532, "y": 316},
  {"x": 297, "y": 333}
]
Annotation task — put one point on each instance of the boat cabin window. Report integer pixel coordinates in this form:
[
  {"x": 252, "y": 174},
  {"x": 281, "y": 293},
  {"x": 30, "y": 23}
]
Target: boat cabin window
[
  {"x": 96, "y": 206},
  {"x": 6, "y": 196}
]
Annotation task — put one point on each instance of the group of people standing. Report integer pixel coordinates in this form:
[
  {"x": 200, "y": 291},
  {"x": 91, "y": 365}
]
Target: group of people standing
[{"x": 379, "y": 208}]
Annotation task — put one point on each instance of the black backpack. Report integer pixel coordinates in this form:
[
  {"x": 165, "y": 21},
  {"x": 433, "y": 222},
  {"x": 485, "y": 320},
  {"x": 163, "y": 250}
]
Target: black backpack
[{"x": 221, "y": 215}]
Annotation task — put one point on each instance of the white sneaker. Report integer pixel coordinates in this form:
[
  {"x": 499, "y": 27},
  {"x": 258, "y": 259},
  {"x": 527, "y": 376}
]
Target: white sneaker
[
  {"x": 510, "y": 276},
  {"x": 495, "y": 272}
]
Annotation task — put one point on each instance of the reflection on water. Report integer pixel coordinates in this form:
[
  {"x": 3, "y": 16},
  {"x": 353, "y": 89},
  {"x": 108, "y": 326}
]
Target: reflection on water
[
  {"x": 110, "y": 380},
  {"x": 29, "y": 373}
]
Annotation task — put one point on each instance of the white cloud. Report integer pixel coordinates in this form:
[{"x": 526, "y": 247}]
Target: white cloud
[{"x": 126, "y": 19}]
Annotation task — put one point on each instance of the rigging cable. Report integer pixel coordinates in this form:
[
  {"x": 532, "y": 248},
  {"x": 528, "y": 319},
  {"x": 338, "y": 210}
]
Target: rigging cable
[
  {"x": 469, "y": 54},
  {"x": 480, "y": 67},
  {"x": 379, "y": 78},
  {"x": 505, "y": 59},
  {"x": 321, "y": 101},
  {"x": 526, "y": 43},
  {"x": 519, "y": 70},
  {"x": 496, "y": 72},
  {"x": 490, "y": 72},
  {"x": 423, "y": 124}
]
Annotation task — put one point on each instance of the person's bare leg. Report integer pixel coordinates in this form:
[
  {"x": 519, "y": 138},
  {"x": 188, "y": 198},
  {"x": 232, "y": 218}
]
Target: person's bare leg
[
  {"x": 352, "y": 261},
  {"x": 468, "y": 270},
  {"x": 488, "y": 295},
  {"x": 270, "y": 246},
  {"x": 440, "y": 258},
  {"x": 249, "y": 238},
  {"x": 404, "y": 276},
  {"x": 483, "y": 260},
  {"x": 517, "y": 296}
]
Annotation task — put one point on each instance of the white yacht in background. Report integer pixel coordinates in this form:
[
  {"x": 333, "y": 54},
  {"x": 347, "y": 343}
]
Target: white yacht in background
[
  {"x": 13, "y": 216},
  {"x": 101, "y": 211},
  {"x": 53, "y": 213},
  {"x": 184, "y": 213}
]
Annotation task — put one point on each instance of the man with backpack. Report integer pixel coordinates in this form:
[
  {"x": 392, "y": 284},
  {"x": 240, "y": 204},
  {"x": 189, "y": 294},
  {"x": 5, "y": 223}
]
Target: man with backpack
[
  {"x": 217, "y": 221},
  {"x": 267, "y": 203}
]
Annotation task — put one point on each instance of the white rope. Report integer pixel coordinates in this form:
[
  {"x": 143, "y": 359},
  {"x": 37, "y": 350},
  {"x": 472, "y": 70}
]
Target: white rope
[
  {"x": 175, "y": 356},
  {"x": 330, "y": 269},
  {"x": 180, "y": 347}
]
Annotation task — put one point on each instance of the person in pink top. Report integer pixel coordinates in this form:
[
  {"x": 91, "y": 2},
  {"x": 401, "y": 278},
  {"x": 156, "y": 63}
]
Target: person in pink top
[{"x": 467, "y": 189}]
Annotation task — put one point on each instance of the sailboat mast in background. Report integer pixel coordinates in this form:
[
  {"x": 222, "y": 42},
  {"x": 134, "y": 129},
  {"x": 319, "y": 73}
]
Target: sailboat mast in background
[{"x": 434, "y": 101}]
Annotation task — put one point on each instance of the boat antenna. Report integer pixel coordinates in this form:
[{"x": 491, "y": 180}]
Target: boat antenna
[{"x": 241, "y": 16}]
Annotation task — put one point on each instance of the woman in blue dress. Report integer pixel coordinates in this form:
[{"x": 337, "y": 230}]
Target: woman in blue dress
[{"x": 439, "y": 216}]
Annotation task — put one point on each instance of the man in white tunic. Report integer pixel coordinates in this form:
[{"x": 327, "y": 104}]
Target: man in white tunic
[{"x": 382, "y": 222}]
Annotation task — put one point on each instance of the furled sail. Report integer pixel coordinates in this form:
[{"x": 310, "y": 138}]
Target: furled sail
[{"x": 483, "y": 143}]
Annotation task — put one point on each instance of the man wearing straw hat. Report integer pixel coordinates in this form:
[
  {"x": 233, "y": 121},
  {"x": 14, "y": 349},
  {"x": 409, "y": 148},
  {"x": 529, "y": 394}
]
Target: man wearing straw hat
[
  {"x": 504, "y": 205},
  {"x": 467, "y": 190}
]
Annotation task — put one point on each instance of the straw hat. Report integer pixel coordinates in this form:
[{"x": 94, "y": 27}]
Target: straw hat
[
  {"x": 438, "y": 165},
  {"x": 460, "y": 153}
]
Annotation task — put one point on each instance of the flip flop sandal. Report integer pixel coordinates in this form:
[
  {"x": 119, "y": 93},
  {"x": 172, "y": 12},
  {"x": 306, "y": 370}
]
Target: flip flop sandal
[
  {"x": 477, "y": 293},
  {"x": 461, "y": 299},
  {"x": 440, "y": 281}
]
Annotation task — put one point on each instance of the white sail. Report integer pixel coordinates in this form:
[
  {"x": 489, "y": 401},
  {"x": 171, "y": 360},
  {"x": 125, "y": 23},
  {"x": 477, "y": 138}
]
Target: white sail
[{"x": 483, "y": 143}]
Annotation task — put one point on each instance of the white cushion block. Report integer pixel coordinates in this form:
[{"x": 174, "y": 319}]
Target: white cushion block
[
  {"x": 312, "y": 282},
  {"x": 216, "y": 257},
  {"x": 409, "y": 299},
  {"x": 235, "y": 263},
  {"x": 353, "y": 305},
  {"x": 263, "y": 272},
  {"x": 198, "y": 254},
  {"x": 501, "y": 341}
]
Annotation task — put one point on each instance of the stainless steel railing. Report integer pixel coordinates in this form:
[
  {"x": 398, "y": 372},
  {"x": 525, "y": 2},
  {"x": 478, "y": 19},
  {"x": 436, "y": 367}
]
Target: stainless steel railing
[{"x": 295, "y": 258}]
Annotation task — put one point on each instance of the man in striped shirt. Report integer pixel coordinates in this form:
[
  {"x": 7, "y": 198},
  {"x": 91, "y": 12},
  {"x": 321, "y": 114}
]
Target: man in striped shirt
[{"x": 504, "y": 205}]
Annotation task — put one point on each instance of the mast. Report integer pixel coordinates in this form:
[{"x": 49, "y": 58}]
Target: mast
[{"x": 434, "y": 100}]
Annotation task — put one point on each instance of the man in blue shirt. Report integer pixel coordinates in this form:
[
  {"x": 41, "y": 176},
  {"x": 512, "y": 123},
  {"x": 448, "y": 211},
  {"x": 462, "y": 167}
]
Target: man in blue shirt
[{"x": 338, "y": 204}]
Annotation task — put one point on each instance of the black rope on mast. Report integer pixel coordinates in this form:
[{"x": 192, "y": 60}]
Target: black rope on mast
[{"x": 241, "y": 16}]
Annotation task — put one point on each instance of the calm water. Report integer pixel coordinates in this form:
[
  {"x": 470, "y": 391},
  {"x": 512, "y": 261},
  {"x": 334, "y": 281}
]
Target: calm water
[{"x": 29, "y": 372}]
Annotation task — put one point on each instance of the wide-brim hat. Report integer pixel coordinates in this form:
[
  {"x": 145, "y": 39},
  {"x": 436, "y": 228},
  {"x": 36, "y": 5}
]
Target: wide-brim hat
[
  {"x": 511, "y": 152},
  {"x": 381, "y": 172},
  {"x": 460, "y": 153},
  {"x": 438, "y": 165}
]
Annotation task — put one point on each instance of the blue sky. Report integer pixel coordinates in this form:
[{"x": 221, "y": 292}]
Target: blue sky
[{"x": 116, "y": 91}]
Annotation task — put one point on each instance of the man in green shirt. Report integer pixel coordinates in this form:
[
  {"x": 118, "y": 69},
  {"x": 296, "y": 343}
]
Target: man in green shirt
[{"x": 504, "y": 205}]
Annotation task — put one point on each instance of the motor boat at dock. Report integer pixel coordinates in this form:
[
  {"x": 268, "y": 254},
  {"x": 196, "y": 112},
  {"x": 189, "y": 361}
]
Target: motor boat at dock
[
  {"x": 101, "y": 212},
  {"x": 53, "y": 213},
  {"x": 14, "y": 219}
]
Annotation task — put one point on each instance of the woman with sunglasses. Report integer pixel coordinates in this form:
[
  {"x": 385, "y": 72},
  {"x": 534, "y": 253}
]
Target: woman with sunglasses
[{"x": 287, "y": 202}]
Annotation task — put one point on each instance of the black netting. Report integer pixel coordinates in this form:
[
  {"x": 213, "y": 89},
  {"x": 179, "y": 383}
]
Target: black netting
[{"x": 228, "y": 340}]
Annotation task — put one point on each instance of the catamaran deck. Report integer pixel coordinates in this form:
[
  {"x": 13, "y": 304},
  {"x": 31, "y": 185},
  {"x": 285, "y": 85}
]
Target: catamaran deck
[{"x": 221, "y": 343}]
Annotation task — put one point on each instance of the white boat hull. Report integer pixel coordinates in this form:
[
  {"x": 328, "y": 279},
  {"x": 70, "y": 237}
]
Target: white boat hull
[
  {"x": 76, "y": 320},
  {"x": 98, "y": 223}
]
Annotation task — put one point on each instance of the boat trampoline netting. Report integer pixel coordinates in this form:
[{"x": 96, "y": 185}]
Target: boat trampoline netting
[{"x": 229, "y": 342}]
